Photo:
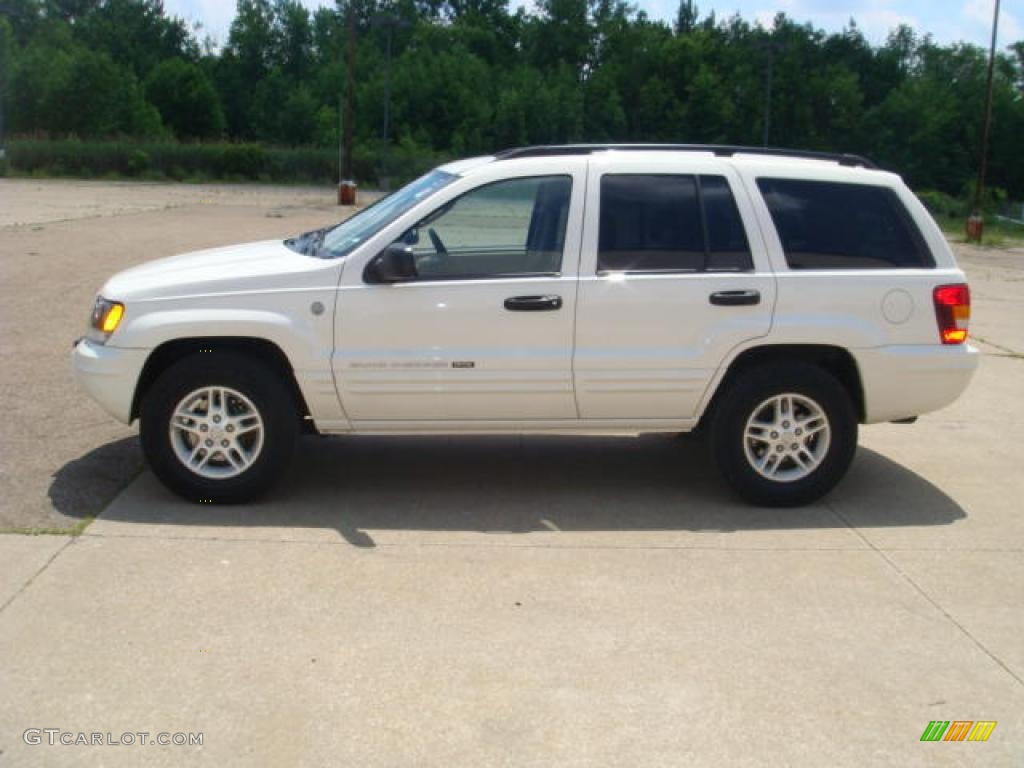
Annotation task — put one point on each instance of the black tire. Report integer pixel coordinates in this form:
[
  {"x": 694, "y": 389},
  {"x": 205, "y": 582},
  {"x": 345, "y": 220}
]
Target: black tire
[
  {"x": 257, "y": 382},
  {"x": 742, "y": 399}
]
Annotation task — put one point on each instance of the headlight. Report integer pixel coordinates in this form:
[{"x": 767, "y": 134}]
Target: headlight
[{"x": 106, "y": 316}]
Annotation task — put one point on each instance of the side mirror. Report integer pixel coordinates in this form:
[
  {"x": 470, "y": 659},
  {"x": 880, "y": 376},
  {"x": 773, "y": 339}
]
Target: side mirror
[{"x": 395, "y": 264}]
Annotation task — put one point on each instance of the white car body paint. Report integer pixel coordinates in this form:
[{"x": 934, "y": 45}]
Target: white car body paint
[{"x": 625, "y": 354}]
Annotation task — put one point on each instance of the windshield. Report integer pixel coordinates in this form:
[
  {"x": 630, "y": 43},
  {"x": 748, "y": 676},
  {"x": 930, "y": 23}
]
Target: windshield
[{"x": 345, "y": 237}]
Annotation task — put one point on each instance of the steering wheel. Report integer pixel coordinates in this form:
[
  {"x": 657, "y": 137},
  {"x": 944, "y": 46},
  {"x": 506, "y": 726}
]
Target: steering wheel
[{"x": 437, "y": 242}]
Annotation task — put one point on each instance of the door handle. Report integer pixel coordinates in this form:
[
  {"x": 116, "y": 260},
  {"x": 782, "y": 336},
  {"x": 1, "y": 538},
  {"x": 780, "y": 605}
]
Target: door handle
[
  {"x": 735, "y": 298},
  {"x": 533, "y": 303}
]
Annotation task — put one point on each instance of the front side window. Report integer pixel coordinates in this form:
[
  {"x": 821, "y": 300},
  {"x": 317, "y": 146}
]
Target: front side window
[
  {"x": 829, "y": 225},
  {"x": 347, "y": 236},
  {"x": 670, "y": 223},
  {"x": 505, "y": 229}
]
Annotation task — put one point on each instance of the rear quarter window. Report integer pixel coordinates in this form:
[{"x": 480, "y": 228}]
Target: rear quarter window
[{"x": 830, "y": 225}]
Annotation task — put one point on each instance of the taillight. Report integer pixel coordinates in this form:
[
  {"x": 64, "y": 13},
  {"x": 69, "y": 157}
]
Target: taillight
[{"x": 953, "y": 311}]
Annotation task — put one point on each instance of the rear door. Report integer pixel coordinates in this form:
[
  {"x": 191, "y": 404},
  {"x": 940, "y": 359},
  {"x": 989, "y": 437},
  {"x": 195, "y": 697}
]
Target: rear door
[{"x": 673, "y": 276}]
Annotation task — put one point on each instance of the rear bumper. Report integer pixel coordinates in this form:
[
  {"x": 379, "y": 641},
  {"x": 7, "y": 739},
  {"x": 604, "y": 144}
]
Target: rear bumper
[
  {"x": 904, "y": 381},
  {"x": 109, "y": 375}
]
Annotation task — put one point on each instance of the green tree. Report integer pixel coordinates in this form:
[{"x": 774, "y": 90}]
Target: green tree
[
  {"x": 104, "y": 100},
  {"x": 72, "y": 90},
  {"x": 135, "y": 34},
  {"x": 186, "y": 99},
  {"x": 299, "y": 117},
  {"x": 686, "y": 17},
  {"x": 560, "y": 36},
  {"x": 294, "y": 39},
  {"x": 470, "y": 76},
  {"x": 6, "y": 56},
  {"x": 251, "y": 39}
]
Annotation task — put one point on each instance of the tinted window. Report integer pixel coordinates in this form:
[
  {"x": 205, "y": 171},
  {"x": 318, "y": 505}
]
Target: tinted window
[
  {"x": 514, "y": 227},
  {"x": 650, "y": 223},
  {"x": 664, "y": 223},
  {"x": 728, "y": 248},
  {"x": 825, "y": 225}
]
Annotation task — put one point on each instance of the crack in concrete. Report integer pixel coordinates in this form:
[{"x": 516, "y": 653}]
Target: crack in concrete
[
  {"x": 1007, "y": 351},
  {"x": 934, "y": 603},
  {"x": 37, "y": 574}
]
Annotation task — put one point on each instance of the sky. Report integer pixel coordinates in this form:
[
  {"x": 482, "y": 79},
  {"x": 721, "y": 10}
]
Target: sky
[{"x": 948, "y": 20}]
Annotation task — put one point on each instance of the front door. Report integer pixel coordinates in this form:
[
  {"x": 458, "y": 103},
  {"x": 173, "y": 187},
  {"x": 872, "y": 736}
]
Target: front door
[
  {"x": 485, "y": 332},
  {"x": 673, "y": 276}
]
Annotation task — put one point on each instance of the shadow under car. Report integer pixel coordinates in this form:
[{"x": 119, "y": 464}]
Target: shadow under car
[{"x": 521, "y": 484}]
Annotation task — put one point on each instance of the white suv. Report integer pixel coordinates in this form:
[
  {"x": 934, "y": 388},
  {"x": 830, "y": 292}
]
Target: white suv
[{"x": 774, "y": 299}]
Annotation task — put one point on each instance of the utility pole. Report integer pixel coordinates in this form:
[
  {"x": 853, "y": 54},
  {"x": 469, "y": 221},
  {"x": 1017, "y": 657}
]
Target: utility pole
[
  {"x": 390, "y": 23},
  {"x": 976, "y": 222},
  {"x": 769, "y": 47},
  {"x": 769, "y": 78},
  {"x": 347, "y": 187},
  {"x": 387, "y": 81}
]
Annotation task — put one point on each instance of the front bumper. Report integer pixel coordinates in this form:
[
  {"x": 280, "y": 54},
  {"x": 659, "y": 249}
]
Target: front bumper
[
  {"x": 905, "y": 381},
  {"x": 109, "y": 375}
]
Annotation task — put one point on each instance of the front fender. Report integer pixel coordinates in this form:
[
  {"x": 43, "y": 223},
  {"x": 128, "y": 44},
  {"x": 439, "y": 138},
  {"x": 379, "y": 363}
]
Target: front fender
[{"x": 305, "y": 338}]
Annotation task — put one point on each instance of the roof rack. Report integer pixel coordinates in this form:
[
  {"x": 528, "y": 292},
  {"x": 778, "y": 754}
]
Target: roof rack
[{"x": 719, "y": 150}]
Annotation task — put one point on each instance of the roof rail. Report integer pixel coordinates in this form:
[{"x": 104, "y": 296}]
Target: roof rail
[{"x": 719, "y": 150}]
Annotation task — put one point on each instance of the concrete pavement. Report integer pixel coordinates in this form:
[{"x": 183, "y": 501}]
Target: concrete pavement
[
  {"x": 502, "y": 601},
  {"x": 61, "y": 456},
  {"x": 543, "y": 601},
  {"x": 319, "y": 653}
]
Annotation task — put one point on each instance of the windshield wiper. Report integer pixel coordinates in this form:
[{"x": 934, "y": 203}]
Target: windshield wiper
[
  {"x": 309, "y": 243},
  {"x": 316, "y": 241}
]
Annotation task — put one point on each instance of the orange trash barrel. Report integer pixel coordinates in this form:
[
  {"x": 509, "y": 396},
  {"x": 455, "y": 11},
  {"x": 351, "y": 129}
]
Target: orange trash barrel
[{"x": 347, "y": 193}]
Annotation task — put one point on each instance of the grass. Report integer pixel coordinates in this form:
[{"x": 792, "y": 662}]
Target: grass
[
  {"x": 78, "y": 528},
  {"x": 998, "y": 233}
]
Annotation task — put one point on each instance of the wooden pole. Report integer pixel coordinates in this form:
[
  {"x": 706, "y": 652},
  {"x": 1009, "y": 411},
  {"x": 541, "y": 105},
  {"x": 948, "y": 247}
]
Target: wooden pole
[
  {"x": 347, "y": 171},
  {"x": 347, "y": 183},
  {"x": 979, "y": 188}
]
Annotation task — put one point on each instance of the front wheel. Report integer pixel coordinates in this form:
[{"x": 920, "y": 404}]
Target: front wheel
[
  {"x": 784, "y": 435},
  {"x": 218, "y": 428}
]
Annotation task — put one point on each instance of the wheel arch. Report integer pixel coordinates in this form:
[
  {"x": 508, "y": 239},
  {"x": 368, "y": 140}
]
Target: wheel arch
[
  {"x": 170, "y": 352},
  {"x": 836, "y": 361}
]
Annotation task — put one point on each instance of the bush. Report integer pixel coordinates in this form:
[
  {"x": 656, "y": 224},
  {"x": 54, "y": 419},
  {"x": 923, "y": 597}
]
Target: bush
[
  {"x": 245, "y": 160},
  {"x": 231, "y": 162},
  {"x": 940, "y": 204},
  {"x": 138, "y": 162},
  {"x": 373, "y": 163}
]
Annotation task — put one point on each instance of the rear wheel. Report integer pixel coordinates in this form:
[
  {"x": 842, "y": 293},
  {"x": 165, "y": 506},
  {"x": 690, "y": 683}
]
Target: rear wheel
[
  {"x": 219, "y": 428},
  {"x": 784, "y": 434}
]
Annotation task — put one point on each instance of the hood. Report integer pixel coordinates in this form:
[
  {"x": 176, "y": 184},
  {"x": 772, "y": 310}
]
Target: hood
[{"x": 267, "y": 265}]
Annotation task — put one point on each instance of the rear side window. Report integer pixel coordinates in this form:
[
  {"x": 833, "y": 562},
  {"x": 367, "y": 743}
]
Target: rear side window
[
  {"x": 826, "y": 225},
  {"x": 670, "y": 223}
]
